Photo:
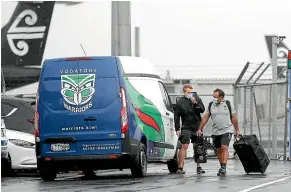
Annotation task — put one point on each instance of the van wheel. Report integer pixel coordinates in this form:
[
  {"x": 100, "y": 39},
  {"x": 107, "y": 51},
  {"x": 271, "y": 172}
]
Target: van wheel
[
  {"x": 139, "y": 168},
  {"x": 173, "y": 163},
  {"x": 47, "y": 172},
  {"x": 89, "y": 173}
]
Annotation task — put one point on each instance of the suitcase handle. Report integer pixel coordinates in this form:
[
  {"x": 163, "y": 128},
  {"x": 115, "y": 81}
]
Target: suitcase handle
[{"x": 239, "y": 136}]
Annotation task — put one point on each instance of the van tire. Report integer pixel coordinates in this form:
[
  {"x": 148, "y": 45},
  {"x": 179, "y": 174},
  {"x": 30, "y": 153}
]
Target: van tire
[
  {"x": 173, "y": 163},
  {"x": 89, "y": 173},
  {"x": 139, "y": 168},
  {"x": 47, "y": 173}
]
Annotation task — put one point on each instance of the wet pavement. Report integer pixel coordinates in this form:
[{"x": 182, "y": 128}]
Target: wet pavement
[{"x": 276, "y": 178}]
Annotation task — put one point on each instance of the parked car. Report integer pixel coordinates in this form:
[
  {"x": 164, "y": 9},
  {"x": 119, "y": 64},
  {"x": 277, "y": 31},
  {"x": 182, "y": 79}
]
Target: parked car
[
  {"x": 19, "y": 131},
  {"x": 4, "y": 150}
]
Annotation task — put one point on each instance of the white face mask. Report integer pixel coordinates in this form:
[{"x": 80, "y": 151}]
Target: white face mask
[
  {"x": 189, "y": 95},
  {"x": 215, "y": 100}
]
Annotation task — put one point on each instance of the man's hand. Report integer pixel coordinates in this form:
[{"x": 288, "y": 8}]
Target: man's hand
[
  {"x": 199, "y": 132},
  {"x": 178, "y": 133},
  {"x": 193, "y": 99},
  {"x": 237, "y": 133}
]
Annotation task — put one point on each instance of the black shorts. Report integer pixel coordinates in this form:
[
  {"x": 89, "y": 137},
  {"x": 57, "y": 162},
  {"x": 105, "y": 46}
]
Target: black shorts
[
  {"x": 187, "y": 135},
  {"x": 219, "y": 140}
]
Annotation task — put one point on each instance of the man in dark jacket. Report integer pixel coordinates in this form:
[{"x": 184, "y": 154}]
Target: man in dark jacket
[{"x": 189, "y": 108}]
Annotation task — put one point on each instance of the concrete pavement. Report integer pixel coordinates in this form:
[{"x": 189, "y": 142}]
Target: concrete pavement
[{"x": 276, "y": 178}]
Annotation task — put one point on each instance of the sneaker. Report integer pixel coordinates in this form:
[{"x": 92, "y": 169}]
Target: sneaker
[
  {"x": 221, "y": 172},
  {"x": 180, "y": 171},
  {"x": 200, "y": 170}
]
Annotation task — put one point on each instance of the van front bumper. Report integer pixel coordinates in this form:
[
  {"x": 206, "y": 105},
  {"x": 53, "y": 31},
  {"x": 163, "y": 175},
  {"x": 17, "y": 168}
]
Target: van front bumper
[{"x": 97, "y": 162}]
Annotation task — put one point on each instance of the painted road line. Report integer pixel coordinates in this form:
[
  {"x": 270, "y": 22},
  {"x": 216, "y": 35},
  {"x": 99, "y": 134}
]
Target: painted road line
[{"x": 265, "y": 184}]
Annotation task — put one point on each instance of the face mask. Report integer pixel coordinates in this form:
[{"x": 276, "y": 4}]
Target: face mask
[
  {"x": 189, "y": 95},
  {"x": 215, "y": 100}
]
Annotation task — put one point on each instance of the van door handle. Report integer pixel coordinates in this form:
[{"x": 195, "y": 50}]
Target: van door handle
[{"x": 90, "y": 119}]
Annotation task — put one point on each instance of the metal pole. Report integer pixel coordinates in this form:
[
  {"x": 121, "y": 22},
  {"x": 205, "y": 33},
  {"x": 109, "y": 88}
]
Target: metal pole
[
  {"x": 254, "y": 73},
  {"x": 251, "y": 110},
  {"x": 274, "y": 97},
  {"x": 121, "y": 28},
  {"x": 257, "y": 115},
  {"x": 137, "y": 42},
  {"x": 264, "y": 70},
  {"x": 286, "y": 116},
  {"x": 235, "y": 97},
  {"x": 245, "y": 111},
  {"x": 262, "y": 84},
  {"x": 270, "y": 120},
  {"x": 114, "y": 29},
  {"x": 242, "y": 73},
  {"x": 124, "y": 27}
]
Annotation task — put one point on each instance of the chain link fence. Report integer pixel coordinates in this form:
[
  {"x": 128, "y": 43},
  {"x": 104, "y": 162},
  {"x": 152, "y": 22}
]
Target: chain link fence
[{"x": 262, "y": 109}]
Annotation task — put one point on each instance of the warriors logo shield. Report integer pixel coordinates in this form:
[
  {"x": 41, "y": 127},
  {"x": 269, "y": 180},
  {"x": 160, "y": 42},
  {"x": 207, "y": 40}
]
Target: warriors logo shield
[{"x": 77, "y": 90}]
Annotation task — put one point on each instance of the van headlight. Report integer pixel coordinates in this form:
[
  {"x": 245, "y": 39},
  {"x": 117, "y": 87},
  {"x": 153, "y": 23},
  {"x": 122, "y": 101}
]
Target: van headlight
[{"x": 22, "y": 143}]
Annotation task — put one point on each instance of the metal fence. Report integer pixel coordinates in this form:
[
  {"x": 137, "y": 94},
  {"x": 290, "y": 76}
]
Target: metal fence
[
  {"x": 262, "y": 110},
  {"x": 261, "y": 107}
]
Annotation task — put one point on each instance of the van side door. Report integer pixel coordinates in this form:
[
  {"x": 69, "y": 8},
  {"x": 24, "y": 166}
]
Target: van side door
[{"x": 168, "y": 116}]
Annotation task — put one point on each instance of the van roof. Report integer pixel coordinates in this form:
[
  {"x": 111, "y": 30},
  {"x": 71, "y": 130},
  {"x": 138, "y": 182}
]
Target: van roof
[{"x": 131, "y": 65}]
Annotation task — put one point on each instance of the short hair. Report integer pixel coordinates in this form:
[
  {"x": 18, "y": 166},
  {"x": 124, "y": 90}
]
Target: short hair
[
  {"x": 220, "y": 92},
  {"x": 187, "y": 86}
]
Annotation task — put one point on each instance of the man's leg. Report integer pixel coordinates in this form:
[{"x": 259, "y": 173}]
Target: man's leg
[
  {"x": 217, "y": 145},
  {"x": 225, "y": 140},
  {"x": 185, "y": 140}
]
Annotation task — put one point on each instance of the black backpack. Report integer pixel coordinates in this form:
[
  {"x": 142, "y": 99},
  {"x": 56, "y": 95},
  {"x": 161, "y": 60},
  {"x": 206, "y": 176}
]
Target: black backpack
[{"x": 228, "y": 106}]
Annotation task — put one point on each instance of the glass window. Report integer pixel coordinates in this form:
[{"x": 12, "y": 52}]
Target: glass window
[
  {"x": 166, "y": 98},
  {"x": 176, "y": 81},
  {"x": 185, "y": 81}
]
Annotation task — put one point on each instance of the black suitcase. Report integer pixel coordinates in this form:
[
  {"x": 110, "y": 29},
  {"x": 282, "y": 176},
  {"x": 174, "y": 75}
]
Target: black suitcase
[{"x": 251, "y": 154}]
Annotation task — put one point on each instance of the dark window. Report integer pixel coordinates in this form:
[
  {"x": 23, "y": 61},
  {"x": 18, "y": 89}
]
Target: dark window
[
  {"x": 185, "y": 82},
  {"x": 170, "y": 88},
  {"x": 176, "y": 81},
  {"x": 166, "y": 98}
]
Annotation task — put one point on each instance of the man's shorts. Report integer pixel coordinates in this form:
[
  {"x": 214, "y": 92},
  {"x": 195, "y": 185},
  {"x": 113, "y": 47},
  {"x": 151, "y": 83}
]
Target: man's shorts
[
  {"x": 187, "y": 135},
  {"x": 223, "y": 139}
]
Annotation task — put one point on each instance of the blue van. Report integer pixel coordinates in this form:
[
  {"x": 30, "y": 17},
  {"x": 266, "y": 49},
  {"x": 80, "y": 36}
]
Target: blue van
[{"x": 98, "y": 113}]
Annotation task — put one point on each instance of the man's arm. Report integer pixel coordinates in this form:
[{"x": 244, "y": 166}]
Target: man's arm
[
  {"x": 199, "y": 106},
  {"x": 177, "y": 115},
  {"x": 204, "y": 120},
  {"x": 234, "y": 121}
]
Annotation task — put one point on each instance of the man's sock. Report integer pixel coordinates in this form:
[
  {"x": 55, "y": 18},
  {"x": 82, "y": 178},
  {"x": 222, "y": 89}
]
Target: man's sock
[{"x": 223, "y": 165}]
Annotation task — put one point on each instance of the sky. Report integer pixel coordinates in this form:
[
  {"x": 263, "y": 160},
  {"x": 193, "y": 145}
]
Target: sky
[{"x": 191, "y": 39}]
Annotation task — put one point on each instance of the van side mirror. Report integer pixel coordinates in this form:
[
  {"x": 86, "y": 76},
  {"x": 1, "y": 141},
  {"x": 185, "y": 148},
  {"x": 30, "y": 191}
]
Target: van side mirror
[{"x": 11, "y": 112}]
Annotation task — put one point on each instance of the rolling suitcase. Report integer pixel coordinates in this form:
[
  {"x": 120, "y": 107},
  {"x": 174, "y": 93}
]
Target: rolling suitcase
[{"x": 251, "y": 154}]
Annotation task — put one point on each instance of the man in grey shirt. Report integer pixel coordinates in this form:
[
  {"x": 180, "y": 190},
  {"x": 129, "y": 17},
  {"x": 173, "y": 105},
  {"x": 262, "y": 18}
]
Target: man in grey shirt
[{"x": 224, "y": 119}]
